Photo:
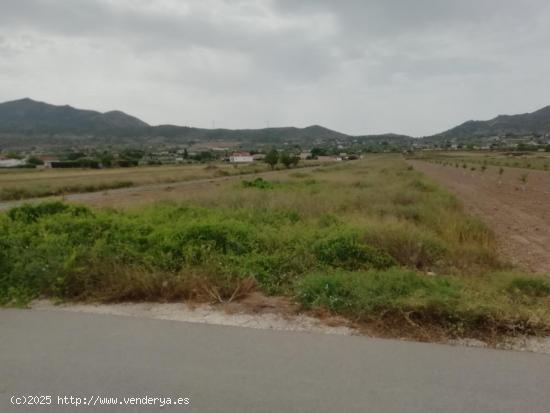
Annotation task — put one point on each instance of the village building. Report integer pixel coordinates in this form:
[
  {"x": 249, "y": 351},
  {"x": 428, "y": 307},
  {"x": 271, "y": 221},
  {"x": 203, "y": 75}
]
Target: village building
[
  {"x": 48, "y": 160},
  {"x": 324, "y": 158},
  {"x": 241, "y": 157},
  {"x": 10, "y": 162}
]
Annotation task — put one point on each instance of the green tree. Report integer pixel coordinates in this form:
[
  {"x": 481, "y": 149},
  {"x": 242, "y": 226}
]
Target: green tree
[
  {"x": 272, "y": 158},
  {"x": 106, "y": 159},
  {"x": 204, "y": 156},
  {"x": 14, "y": 155},
  {"x": 315, "y": 152},
  {"x": 286, "y": 159},
  {"x": 73, "y": 156},
  {"x": 33, "y": 160}
]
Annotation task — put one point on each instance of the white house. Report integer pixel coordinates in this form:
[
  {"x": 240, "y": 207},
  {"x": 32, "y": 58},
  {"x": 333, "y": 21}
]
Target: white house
[
  {"x": 11, "y": 163},
  {"x": 241, "y": 157}
]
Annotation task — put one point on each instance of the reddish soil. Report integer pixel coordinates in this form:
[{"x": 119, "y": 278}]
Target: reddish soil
[{"x": 518, "y": 213}]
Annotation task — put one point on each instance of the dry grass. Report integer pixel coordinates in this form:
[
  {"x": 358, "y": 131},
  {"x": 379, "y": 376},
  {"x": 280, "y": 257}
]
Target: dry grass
[
  {"x": 38, "y": 183},
  {"x": 369, "y": 240},
  {"x": 479, "y": 160}
]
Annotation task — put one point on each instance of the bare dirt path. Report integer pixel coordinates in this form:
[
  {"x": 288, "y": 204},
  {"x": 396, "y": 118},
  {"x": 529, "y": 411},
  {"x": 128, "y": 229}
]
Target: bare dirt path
[{"x": 517, "y": 211}]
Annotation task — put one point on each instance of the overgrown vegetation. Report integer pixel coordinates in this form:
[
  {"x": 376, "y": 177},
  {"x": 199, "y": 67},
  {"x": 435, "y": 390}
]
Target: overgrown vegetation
[
  {"x": 16, "y": 193},
  {"x": 498, "y": 303},
  {"x": 16, "y": 185},
  {"x": 259, "y": 183},
  {"x": 366, "y": 240}
]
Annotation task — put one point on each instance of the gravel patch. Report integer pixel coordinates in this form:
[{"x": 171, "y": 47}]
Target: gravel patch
[
  {"x": 203, "y": 313},
  {"x": 210, "y": 314}
]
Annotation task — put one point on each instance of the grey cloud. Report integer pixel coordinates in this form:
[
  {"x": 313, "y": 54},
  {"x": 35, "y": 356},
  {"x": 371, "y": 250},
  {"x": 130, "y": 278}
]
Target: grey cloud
[
  {"x": 398, "y": 15},
  {"x": 286, "y": 52},
  {"x": 282, "y": 58}
]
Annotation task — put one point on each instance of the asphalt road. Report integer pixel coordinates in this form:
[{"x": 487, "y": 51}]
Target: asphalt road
[{"x": 228, "y": 369}]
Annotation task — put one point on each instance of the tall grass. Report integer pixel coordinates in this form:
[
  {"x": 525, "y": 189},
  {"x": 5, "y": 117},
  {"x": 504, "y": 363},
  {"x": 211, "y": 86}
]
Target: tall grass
[
  {"x": 357, "y": 238},
  {"x": 33, "y": 184},
  {"x": 459, "y": 306},
  {"x": 17, "y": 193}
]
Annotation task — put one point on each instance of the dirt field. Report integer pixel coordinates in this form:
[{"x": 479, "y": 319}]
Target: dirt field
[
  {"x": 518, "y": 212},
  {"x": 514, "y": 159}
]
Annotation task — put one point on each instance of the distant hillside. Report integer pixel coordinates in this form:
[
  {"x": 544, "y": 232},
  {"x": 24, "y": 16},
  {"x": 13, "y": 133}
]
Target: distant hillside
[
  {"x": 29, "y": 117},
  {"x": 267, "y": 135},
  {"x": 535, "y": 122},
  {"x": 386, "y": 138},
  {"x": 27, "y": 122}
]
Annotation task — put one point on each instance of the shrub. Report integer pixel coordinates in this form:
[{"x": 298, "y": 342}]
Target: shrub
[
  {"x": 225, "y": 237},
  {"x": 276, "y": 272},
  {"x": 258, "y": 183},
  {"x": 61, "y": 250},
  {"x": 458, "y": 307},
  {"x": 529, "y": 286},
  {"x": 407, "y": 244},
  {"x": 345, "y": 250},
  {"x": 365, "y": 295},
  {"x": 30, "y": 213}
]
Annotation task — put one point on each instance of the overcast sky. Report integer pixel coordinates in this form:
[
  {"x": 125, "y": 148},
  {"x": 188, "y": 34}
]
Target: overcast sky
[{"x": 357, "y": 66}]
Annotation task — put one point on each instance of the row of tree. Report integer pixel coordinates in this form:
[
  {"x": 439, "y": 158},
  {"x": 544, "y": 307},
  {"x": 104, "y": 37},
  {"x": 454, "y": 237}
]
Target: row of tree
[{"x": 273, "y": 157}]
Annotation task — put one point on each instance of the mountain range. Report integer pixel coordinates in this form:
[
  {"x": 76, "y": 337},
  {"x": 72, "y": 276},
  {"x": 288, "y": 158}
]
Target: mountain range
[
  {"x": 27, "y": 117},
  {"x": 536, "y": 122},
  {"x": 38, "y": 122},
  {"x": 26, "y": 121}
]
